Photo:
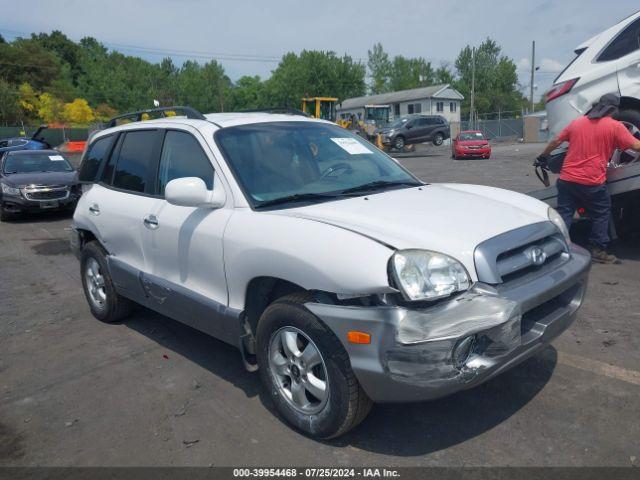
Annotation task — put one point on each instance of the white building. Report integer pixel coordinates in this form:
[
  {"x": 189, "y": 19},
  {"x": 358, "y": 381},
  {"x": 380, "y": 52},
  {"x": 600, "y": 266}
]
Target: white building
[{"x": 435, "y": 100}]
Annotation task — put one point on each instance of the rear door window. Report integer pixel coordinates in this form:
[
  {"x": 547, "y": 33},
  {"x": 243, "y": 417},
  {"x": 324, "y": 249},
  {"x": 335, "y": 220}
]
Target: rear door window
[
  {"x": 136, "y": 161},
  {"x": 182, "y": 156},
  {"x": 96, "y": 155}
]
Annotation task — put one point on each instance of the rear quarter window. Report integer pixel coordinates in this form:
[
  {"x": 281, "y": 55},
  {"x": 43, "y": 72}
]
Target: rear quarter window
[
  {"x": 96, "y": 154},
  {"x": 626, "y": 42}
]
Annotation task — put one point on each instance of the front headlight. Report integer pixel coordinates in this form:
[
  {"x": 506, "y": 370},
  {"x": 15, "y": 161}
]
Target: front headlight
[
  {"x": 426, "y": 275},
  {"x": 7, "y": 190},
  {"x": 555, "y": 217}
]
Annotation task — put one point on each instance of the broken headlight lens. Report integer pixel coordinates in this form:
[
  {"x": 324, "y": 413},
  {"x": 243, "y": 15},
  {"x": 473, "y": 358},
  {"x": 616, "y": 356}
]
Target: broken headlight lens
[
  {"x": 426, "y": 275},
  {"x": 557, "y": 220}
]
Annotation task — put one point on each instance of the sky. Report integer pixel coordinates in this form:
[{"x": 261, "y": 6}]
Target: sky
[{"x": 249, "y": 37}]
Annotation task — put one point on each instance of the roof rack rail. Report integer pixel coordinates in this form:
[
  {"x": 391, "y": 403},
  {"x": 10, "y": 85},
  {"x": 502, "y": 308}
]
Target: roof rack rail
[
  {"x": 137, "y": 116},
  {"x": 283, "y": 110}
]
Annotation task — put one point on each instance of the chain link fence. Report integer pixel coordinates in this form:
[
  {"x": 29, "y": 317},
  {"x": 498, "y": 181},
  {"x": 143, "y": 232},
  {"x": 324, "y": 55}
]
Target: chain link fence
[{"x": 497, "y": 125}]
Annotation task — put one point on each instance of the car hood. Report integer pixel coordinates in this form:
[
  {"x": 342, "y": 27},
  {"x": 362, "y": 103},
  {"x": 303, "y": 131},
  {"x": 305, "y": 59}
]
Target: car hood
[
  {"x": 42, "y": 178},
  {"x": 447, "y": 218}
]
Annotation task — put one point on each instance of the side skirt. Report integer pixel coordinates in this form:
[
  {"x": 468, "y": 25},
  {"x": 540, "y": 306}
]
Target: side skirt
[{"x": 177, "y": 302}]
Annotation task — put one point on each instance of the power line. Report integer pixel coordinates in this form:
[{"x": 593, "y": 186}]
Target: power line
[
  {"x": 241, "y": 57},
  {"x": 184, "y": 53}
]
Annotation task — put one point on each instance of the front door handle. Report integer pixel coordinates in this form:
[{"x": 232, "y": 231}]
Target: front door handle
[
  {"x": 94, "y": 209},
  {"x": 151, "y": 222}
]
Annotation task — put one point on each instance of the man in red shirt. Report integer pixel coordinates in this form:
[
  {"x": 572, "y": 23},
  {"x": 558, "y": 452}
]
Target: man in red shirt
[{"x": 592, "y": 140}]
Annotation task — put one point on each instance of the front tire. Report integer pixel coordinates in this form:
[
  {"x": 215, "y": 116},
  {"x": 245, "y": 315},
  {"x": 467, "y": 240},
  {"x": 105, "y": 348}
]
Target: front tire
[
  {"x": 105, "y": 303},
  {"x": 398, "y": 143},
  {"x": 307, "y": 372},
  {"x": 438, "y": 139},
  {"x": 4, "y": 215}
]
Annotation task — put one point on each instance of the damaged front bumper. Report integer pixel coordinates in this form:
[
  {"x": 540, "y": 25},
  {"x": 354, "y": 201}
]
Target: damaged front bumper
[{"x": 411, "y": 354}]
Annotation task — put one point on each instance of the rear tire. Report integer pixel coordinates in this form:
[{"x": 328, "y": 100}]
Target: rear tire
[
  {"x": 438, "y": 139},
  {"x": 105, "y": 303},
  {"x": 629, "y": 116},
  {"x": 341, "y": 404}
]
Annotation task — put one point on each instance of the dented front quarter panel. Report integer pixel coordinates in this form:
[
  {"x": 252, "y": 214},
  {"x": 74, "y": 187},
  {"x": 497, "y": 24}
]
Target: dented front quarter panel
[
  {"x": 311, "y": 254},
  {"x": 410, "y": 354}
]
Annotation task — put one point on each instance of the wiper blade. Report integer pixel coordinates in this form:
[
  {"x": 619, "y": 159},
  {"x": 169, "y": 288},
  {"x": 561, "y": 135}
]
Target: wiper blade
[
  {"x": 298, "y": 197},
  {"x": 379, "y": 184}
]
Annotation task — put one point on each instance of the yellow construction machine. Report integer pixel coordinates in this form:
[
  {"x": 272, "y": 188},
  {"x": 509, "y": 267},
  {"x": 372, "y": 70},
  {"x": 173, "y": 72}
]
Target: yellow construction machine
[{"x": 320, "y": 107}]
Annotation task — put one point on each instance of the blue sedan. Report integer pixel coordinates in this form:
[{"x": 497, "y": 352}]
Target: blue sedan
[{"x": 24, "y": 143}]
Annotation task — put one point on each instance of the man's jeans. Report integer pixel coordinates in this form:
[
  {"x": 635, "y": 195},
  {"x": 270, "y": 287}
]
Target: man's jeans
[{"x": 595, "y": 200}]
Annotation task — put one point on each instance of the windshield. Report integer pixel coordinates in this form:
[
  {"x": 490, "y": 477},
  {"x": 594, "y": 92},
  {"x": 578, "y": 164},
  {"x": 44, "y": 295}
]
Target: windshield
[
  {"x": 379, "y": 115},
  {"x": 400, "y": 122},
  {"x": 36, "y": 162},
  {"x": 471, "y": 136},
  {"x": 307, "y": 161}
]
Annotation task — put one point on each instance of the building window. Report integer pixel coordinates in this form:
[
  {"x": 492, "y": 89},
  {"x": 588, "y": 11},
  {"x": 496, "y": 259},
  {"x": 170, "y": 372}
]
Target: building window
[
  {"x": 414, "y": 108},
  {"x": 396, "y": 110},
  {"x": 440, "y": 106},
  {"x": 452, "y": 107}
]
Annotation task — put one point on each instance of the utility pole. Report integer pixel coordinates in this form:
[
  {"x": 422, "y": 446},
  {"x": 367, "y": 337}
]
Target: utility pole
[
  {"x": 473, "y": 89},
  {"x": 533, "y": 70}
]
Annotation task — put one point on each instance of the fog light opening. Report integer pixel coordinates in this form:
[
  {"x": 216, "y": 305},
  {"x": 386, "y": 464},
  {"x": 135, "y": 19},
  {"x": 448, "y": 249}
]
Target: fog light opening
[{"x": 462, "y": 351}]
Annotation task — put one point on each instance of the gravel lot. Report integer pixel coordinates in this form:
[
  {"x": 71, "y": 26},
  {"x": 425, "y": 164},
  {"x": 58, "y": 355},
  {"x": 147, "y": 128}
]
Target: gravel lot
[{"x": 74, "y": 391}]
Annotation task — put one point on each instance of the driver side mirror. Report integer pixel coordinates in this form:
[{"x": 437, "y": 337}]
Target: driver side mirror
[
  {"x": 192, "y": 192},
  {"x": 409, "y": 126}
]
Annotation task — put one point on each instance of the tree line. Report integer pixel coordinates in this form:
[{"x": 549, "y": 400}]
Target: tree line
[{"x": 50, "y": 78}]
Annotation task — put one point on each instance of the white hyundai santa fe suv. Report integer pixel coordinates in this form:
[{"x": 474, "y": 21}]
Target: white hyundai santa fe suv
[{"x": 338, "y": 274}]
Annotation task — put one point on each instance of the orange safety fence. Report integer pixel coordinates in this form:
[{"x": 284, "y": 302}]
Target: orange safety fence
[{"x": 72, "y": 147}]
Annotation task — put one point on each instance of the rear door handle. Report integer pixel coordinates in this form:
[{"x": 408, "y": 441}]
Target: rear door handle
[
  {"x": 151, "y": 222},
  {"x": 94, "y": 209}
]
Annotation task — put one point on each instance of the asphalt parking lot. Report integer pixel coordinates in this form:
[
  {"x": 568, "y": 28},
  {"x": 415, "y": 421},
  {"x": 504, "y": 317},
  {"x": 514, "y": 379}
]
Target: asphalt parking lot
[{"x": 74, "y": 391}]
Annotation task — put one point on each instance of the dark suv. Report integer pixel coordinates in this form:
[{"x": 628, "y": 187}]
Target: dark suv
[{"x": 415, "y": 129}]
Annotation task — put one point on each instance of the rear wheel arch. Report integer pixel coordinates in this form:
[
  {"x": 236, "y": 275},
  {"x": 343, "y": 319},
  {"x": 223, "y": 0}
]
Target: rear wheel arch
[
  {"x": 629, "y": 111},
  {"x": 630, "y": 103}
]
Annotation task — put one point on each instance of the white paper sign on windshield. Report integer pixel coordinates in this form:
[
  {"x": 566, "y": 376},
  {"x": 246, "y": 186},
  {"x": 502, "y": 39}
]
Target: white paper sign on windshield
[
  {"x": 351, "y": 145},
  {"x": 56, "y": 158}
]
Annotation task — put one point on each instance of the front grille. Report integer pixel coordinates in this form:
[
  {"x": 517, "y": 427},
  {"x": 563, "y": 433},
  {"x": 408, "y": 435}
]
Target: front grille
[
  {"x": 521, "y": 260},
  {"x": 519, "y": 252},
  {"x": 46, "y": 193}
]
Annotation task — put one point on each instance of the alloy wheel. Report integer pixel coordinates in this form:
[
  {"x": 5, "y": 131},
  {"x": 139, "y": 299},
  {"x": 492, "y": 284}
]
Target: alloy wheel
[
  {"x": 298, "y": 369},
  {"x": 94, "y": 281}
]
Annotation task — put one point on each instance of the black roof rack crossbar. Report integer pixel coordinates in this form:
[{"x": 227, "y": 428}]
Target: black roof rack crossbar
[
  {"x": 283, "y": 110},
  {"x": 137, "y": 116}
]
